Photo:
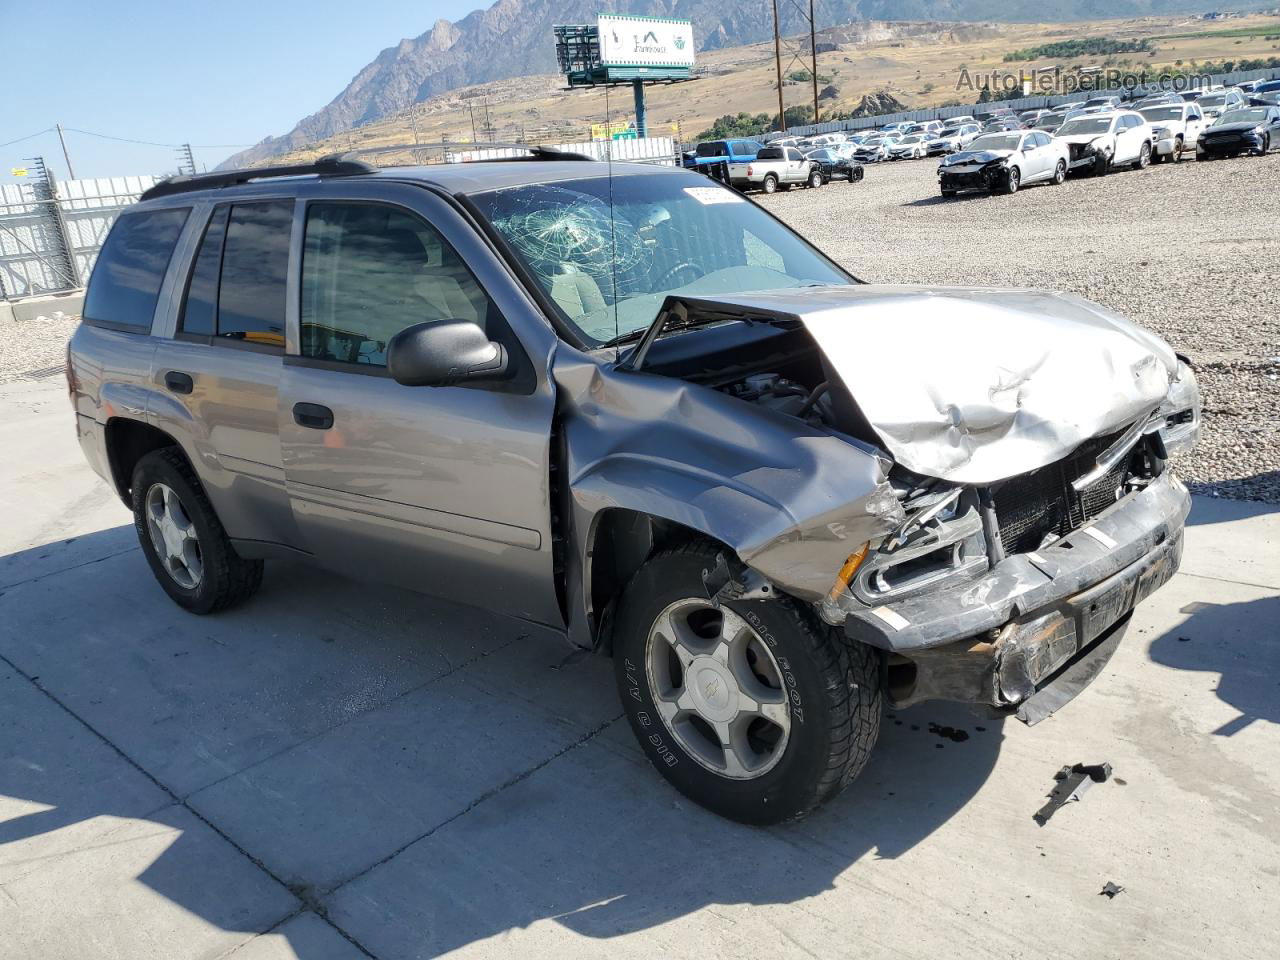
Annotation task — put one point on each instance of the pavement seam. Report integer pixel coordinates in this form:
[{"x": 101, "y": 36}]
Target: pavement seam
[
  {"x": 1240, "y": 583},
  {"x": 306, "y": 901},
  {"x": 462, "y": 665},
  {"x": 74, "y": 566},
  {"x": 487, "y": 795}
]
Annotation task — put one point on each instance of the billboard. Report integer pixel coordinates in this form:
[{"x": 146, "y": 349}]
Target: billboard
[{"x": 645, "y": 42}]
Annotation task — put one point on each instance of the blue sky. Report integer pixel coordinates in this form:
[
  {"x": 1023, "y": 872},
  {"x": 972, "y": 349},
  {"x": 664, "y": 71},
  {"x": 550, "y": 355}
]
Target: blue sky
[{"x": 230, "y": 72}]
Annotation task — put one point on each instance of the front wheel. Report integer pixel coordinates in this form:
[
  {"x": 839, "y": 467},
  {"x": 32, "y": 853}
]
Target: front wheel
[
  {"x": 815, "y": 179},
  {"x": 1101, "y": 164},
  {"x": 183, "y": 539},
  {"x": 1178, "y": 147},
  {"x": 756, "y": 710},
  {"x": 1060, "y": 173},
  {"x": 1012, "y": 180},
  {"x": 856, "y": 175},
  {"x": 1265, "y": 148},
  {"x": 770, "y": 184}
]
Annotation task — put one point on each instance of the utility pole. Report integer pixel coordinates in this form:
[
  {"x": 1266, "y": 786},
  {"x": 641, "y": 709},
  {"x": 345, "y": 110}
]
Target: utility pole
[
  {"x": 777, "y": 61},
  {"x": 813, "y": 47},
  {"x": 472, "y": 110},
  {"x": 66, "y": 154}
]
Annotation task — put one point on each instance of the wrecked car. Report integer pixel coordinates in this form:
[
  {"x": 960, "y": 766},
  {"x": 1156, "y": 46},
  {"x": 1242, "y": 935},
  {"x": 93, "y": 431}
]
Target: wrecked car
[{"x": 630, "y": 404}]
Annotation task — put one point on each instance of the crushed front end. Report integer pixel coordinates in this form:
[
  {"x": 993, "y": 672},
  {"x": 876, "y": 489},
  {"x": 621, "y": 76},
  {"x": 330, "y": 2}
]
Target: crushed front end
[{"x": 1014, "y": 594}]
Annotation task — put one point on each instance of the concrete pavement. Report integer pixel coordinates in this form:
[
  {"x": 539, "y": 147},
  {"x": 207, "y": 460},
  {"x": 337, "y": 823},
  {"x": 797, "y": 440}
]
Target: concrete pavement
[{"x": 340, "y": 770}]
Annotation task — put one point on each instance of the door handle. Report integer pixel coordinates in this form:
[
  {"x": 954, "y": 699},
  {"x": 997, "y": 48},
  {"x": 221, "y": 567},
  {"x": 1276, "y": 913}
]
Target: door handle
[
  {"x": 312, "y": 415},
  {"x": 179, "y": 382}
]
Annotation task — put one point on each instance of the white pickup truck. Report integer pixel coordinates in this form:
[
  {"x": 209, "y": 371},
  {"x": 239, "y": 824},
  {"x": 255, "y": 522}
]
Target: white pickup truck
[
  {"x": 1175, "y": 127},
  {"x": 775, "y": 167}
]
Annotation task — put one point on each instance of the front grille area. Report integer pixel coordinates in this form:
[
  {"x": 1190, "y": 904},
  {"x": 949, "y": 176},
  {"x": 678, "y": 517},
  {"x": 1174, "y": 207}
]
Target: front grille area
[{"x": 1036, "y": 505}]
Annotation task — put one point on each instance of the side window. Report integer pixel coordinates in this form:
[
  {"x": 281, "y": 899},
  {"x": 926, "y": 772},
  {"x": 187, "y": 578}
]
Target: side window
[
  {"x": 369, "y": 270},
  {"x": 131, "y": 267},
  {"x": 200, "y": 309},
  {"x": 255, "y": 259}
]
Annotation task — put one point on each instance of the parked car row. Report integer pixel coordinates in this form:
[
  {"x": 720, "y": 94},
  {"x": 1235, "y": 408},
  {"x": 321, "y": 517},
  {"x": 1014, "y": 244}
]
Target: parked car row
[
  {"x": 1097, "y": 143},
  {"x": 1005, "y": 150}
]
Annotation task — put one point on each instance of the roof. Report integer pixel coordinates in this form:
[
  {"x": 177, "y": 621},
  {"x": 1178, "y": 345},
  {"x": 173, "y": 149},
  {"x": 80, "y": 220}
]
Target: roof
[{"x": 473, "y": 177}]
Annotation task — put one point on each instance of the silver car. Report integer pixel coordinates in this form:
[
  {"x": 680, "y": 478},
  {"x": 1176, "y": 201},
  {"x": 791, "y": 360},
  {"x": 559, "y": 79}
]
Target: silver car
[{"x": 628, "y": 403}]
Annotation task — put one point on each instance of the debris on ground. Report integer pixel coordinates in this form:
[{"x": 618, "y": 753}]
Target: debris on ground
[
  {"x": 1110, "y": 889},
  {"x": 1073, "y": 781}
]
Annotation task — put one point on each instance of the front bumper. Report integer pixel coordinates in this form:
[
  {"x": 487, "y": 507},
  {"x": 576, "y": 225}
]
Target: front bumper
[
  {"x": 998, "y": 639},
  {"x": 1229, "y": 146},
  {"x": 962, "y": 177}
]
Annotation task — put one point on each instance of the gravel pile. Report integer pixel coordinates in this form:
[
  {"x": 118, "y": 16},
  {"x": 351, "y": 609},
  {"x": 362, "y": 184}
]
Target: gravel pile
[
  {"x": 30, "y": 349},
  {"x": 1191, "y": 251}
]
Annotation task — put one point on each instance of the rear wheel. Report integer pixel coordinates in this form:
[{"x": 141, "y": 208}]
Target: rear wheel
[
  {"x": 183, "y": 539},
  {"x": 756, "y": 710},
  {"x": 948, "y": 193},
  {"x": 1144, "y": 157}
]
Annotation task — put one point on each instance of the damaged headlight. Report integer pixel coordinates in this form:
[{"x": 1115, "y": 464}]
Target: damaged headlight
[
  {"x": 1181, "y": 412},
  {"x": 1098, "y": 145}
]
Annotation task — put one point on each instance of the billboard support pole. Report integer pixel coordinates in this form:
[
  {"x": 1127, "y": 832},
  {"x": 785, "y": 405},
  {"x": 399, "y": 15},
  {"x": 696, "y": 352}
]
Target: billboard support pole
[{"x": 642, "y": 122}]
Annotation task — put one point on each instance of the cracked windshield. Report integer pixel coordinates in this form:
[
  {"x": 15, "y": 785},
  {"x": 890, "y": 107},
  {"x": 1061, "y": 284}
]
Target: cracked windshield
[{"x": 608, "y": 275}]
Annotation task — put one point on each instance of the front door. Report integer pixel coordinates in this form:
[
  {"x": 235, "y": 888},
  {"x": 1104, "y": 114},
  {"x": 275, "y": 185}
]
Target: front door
[{"x": 444, "y": 490}]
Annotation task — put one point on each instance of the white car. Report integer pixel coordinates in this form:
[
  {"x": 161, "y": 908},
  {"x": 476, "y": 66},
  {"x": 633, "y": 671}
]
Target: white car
[
  {"x": 1003, "y": 162},
  {"x": 1104, "y": 141},
  {"x": 911, "y": 147},
  {"x": 1175, "y": 127},
  {"x": 951, "y": 139}
]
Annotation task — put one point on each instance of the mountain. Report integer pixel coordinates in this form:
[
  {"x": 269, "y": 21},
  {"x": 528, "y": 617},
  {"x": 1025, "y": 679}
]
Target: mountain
[{"x": 514, "y": 38}]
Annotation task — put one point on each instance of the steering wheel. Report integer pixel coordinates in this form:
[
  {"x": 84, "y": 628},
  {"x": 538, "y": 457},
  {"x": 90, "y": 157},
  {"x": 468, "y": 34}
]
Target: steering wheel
[{"x": 664, "y": 281}]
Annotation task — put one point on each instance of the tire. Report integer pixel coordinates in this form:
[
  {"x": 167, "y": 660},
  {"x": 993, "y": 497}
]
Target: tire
[
  {"x": 1060, "y": 173},
  {"x": 948, "y": 194},
  {"x": 815, "y": 179},
  {"x": 770, "y": 183},
  {"x": 856, "y": 176},
  {"x": 1266, "y": 145},
  {"x": 828, "y": 691},
  {"x": 1101, "y": 165},
  {"x": 168, "y": 499},
  {"x": 1144, "y": 157},
  {"x": 1012, "y": 181},
  {"x": 1178, "y": 147}
]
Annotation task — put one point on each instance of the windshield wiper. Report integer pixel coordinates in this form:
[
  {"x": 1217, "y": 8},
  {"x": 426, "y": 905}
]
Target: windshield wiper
[{"x": 622, "y": 338}]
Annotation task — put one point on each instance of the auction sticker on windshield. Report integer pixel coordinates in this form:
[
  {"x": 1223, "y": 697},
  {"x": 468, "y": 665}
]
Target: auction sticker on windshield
[{"x": 710, "y": 195}]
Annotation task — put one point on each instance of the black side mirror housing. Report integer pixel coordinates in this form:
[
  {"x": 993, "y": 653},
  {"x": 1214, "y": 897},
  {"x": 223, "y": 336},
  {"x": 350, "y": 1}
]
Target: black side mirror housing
[{"x": 437, "y": 353}]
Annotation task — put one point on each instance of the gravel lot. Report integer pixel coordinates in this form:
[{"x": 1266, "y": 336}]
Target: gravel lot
[{"x": 1191, "y": 251}]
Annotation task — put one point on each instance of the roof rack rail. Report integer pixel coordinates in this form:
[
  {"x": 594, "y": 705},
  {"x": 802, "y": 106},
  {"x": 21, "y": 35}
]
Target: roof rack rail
[
  {"x": 535, "y": 152},
  {"x": 325, "y": 167}
]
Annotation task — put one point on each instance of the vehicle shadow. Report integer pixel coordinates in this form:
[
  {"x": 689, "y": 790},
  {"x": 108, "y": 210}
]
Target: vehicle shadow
[
  {"x": 1240, "y": 643},
  {"x": 588, "y": 836}
]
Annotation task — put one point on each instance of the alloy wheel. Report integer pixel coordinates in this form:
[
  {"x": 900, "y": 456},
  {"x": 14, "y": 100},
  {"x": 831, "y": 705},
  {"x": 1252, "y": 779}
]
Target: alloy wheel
[
  {"x": 718, "y": 689},
  {"x": 174, "y": 536}
]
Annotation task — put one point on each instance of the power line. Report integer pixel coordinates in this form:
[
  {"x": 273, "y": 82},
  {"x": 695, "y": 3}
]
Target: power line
[
  {"x": 29, "y": 137},
  {"x": 152, "y": 143}
]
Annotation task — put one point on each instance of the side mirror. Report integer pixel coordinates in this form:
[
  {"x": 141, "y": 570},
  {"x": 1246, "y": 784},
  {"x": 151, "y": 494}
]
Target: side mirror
[{"x": 437, "y": 353}]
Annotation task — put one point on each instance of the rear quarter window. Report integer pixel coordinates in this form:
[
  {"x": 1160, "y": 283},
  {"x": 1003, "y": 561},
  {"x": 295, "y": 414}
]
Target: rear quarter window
[{"x": 126, "y": 279}]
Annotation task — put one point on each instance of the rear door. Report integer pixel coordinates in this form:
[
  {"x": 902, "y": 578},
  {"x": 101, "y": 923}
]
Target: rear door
[
  {"x": 445, "y": 490},
  {"x": 220, "y": 373}
]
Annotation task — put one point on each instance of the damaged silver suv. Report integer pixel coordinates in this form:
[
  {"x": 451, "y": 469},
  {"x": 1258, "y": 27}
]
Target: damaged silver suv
[{"x": 628, "y": 403}]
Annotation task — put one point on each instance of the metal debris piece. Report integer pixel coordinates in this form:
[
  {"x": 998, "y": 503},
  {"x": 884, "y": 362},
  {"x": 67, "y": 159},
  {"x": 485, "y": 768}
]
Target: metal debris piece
[
  {"x": 722, "y": 583},
  {"x": 1110, "y": 889},
  {"x": 1073, "y": 781}
]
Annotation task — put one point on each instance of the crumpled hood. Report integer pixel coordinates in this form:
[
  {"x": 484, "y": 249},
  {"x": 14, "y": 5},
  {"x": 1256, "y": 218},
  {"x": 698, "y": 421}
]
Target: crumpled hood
[{"x": 974, "y": 384}]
